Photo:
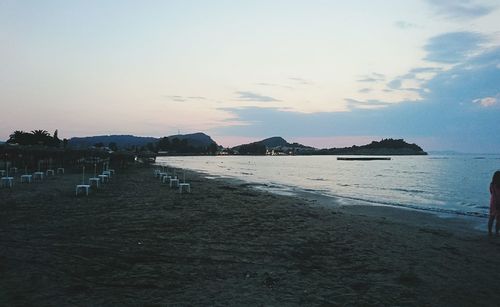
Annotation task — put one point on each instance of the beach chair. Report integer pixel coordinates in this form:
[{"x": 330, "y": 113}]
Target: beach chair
[
  {"x": 26, "y": 178},
  {"x": 83, "y": 186},
  {"x": 38, "y": 175},
  {"x": 183, "y": 185},
  {"x": 7, "y": 181}
]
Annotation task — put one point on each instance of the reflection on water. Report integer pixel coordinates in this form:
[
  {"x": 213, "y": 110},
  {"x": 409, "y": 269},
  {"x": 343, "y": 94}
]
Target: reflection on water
[{"x": 448, "y": 184}]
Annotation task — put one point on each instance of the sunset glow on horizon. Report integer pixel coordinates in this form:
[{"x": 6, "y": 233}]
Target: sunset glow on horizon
[{"x": 317, "y": 72}]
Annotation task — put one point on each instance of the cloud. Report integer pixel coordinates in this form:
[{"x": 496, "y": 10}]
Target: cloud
[
  {"x": 418, "y": 70},
  {"x": 251, "y": 96},
  {"x": 178, "y": 98},
  {"x": 301, "y": 81},
  {"x": 365, "y": 90},
  {"x": 486, "y": 101},
  {"x": 368, "y": 104},
  {"x": 405, "y": 25},
  {"x": 395, "y": 84},
  {"x": 445, "y": 112},
  {"x": 460, "y": 9},
  {"x": 373, "y": 77},
  {"x": 453, "y": 47},
  {"x": 274, "y": 85}
]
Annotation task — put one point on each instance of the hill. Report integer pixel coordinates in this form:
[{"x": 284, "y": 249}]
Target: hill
[
  {"x": 198, "y": 139},
  {"x": 274, "y": 145},
  {"x": 195, "y": 140},
  {"x": 122, "y": 141},
  {"x": 383, "y": 147}
]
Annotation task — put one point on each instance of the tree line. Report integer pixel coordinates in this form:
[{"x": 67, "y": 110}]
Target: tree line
[{"x": 36, "y": 137}]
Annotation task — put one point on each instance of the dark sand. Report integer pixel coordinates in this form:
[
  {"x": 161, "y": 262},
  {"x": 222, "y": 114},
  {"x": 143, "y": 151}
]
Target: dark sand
[{"x": 137, "y": 242}]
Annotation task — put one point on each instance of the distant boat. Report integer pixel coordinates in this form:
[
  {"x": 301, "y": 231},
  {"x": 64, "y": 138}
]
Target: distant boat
[{"x": 362, "y": 158}]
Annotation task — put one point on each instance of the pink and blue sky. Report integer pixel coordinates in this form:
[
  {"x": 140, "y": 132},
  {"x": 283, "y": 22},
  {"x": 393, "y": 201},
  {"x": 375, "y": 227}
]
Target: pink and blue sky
[{"x": 323, "y": 73}]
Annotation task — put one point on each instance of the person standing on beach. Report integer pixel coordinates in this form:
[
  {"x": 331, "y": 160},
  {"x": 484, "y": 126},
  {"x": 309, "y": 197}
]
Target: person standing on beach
[{"x": 494, "y": 203}]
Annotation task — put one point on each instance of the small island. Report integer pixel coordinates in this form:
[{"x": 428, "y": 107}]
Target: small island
[{"x": 279, "y": 146}]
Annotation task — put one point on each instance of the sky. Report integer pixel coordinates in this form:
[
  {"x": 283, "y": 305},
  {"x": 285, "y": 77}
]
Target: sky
[{"x": 322, "y": 73}]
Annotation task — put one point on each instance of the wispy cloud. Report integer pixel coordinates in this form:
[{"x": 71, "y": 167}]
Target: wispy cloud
[
  {"x": 460, "y": 9},
  {"x": 459, "y": 106},
  {"x": 365, "y": 90},
  {"x": 367, "y": 104},
  {"x": 274, "y": 85},
  {"x": 373, "y": 77},
  {"x": 178, "y": 98},
  {"x": 251, "y": 96},
  {"x": 453, "y": 47},
  {"x": 301, "y": 81},
  {"x": 486, "y": 101},
  {"x": 395, "y": 84},
  {"x": 405, "y": 25}
]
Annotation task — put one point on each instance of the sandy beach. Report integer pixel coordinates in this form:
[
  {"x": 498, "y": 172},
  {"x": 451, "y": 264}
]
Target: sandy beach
[{"x": 138, "y": 242}]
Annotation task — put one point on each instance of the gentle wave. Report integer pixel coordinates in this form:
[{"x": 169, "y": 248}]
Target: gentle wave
[{"x": 442, "y": 184}]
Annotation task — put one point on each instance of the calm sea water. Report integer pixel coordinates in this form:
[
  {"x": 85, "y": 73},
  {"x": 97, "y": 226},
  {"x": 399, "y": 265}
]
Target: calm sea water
[{"x": 448, "y": 184}]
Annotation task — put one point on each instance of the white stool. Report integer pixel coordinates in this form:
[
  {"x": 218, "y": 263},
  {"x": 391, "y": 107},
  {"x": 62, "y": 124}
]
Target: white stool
[
  {"x": 166, "y": 178},
  {"x": 9, "y": 181},
  {"x": 96, "y": 180},
  {"x": 156, "y": 172},
  {"x": 104, "y": 178},
  {"x": 107, "y": 173},
  {"x": 49, "y": 171},
  {"x": 38, "y": 174},
  {"x": 162, "y": 174},
  {"x": 174, "y": 182},
  {"x": 60, "y": 170},
  {"x": 185, "y": 185},
  {"x": 27, "y": 177},
  {"x": 84, "y": 187}
]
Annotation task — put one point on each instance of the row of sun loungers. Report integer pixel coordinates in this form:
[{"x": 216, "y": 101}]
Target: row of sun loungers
[
  {"x": 173, "y": 180},
  {"x": 94, "y": 182},
  {"x": 7, "y": 178}
]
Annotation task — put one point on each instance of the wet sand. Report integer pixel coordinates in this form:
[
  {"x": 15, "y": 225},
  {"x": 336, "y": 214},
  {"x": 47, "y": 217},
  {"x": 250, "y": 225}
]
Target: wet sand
[{"x": 138, "y": 242}]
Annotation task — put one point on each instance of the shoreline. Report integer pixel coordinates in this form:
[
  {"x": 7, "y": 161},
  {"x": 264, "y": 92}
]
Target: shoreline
[
  {"x": 138, "y": 242},
  {"x": 472, "y": 222}
]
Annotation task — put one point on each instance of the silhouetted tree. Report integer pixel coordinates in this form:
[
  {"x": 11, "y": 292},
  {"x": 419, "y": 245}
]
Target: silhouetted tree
[
  {"x": 113, "y": 146},
  {"x": 20, "y": 137},
  {"x": 41, "y": 137},
  {"x": 164, "y": 144},
  {"x": 55, "y": 140}
]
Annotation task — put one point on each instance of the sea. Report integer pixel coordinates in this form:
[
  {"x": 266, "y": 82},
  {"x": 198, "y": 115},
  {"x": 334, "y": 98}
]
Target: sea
[{"x": 443, "y": 184}]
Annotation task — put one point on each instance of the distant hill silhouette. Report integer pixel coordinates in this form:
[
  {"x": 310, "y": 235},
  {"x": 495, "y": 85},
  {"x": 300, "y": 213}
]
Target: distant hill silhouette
[
  {"x": 276, "y": 143},
  {"x": 196, "y": 140},
  {"x": 122, "y": 141},
  {"x": 383, "y": 147}
]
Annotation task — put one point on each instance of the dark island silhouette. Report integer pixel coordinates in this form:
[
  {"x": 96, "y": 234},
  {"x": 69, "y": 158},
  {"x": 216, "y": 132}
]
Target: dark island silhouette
[
  {"x": 279, "y": 146},
  {"x": 201, "y": 144}
]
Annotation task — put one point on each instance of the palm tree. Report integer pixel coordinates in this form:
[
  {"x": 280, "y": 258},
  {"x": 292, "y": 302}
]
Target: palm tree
[
  {"x": 41, "y": 137},
  {"x": 19, "y": 137}
]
